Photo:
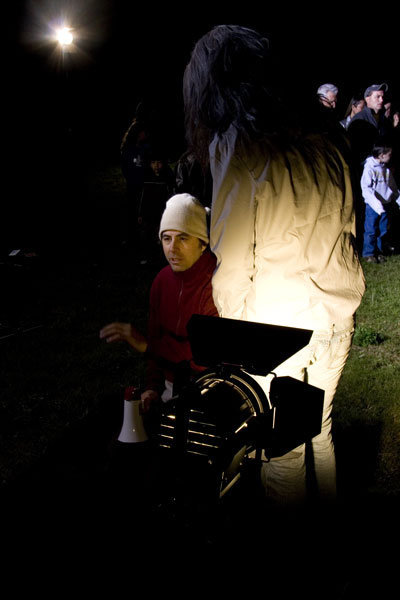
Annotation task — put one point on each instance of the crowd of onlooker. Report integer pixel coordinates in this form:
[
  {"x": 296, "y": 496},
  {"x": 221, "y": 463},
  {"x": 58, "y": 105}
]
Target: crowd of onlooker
[
  {"x": 367, "y": 135},
  {"x": 371, "y": 123},
  {"x": 151, "y": 178}
]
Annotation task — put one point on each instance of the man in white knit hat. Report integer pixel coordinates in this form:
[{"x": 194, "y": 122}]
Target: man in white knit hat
[
  {"x": 183, "y": 231},
  {"x": 180, "y": 289}
]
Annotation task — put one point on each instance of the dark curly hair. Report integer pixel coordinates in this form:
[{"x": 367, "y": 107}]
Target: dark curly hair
[{"x": 227, "y": 82}]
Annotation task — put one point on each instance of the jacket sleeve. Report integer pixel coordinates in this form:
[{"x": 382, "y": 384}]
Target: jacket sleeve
[
  {"x": 394, "y": 188},
  {"x": 368, "y": 192},
  {"x": 232, "y": 228}
]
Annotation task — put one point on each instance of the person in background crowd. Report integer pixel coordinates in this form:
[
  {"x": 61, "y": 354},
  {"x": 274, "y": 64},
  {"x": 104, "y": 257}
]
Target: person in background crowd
[
  {"x": 327, "y": 95},
  {"x": 158, "y": 185},
  {"x": 356, "y": 104},
  {"x": 380, "y": 192},
  {"x": 369, "y": 124}
]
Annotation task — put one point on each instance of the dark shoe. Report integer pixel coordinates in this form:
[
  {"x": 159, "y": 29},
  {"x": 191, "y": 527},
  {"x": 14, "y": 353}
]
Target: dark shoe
[
  {"x": 370, "y": 259},
  {"x": 381, "y": 258}
]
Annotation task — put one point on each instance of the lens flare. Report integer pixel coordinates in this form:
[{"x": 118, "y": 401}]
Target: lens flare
[{"x": 64, "y": 36}]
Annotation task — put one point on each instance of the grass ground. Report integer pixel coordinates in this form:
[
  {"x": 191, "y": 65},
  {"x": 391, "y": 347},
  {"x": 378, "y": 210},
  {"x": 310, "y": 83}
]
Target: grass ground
[{"x": 367, "y": 404}]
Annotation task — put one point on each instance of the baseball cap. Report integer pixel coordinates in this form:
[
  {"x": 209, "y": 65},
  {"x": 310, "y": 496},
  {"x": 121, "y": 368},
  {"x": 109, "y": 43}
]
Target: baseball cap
[{"x": 375, "y": 87}]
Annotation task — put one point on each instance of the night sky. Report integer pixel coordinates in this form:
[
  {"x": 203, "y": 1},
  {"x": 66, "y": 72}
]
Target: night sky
[{"x": 125, "y": 52}]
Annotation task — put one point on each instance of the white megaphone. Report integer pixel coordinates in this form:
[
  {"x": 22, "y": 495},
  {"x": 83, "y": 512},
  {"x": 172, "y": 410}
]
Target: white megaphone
[{"x": 132, "y": 430}]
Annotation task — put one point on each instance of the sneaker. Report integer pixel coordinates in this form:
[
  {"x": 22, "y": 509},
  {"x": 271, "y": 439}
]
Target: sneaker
[
  {"x": 381, "y": 258},
  {"x": 370, "y": 259}
]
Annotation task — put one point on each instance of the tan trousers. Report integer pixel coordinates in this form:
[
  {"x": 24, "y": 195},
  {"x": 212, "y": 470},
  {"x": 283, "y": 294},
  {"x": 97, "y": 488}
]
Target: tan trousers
[{"x": 320, "y": 364}]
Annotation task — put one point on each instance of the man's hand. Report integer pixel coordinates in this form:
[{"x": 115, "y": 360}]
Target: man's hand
[
  {"x": 117, "y": 332},
  {"x": 147, "y": 398}
]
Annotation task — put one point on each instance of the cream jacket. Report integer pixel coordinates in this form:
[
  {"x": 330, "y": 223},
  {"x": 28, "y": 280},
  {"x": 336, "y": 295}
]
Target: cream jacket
[{"x": 282, "y": 228}]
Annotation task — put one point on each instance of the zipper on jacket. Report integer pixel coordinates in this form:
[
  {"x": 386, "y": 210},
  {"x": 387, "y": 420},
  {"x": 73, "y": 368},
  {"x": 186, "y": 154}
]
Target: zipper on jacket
[{"x": 179, "y": 314}]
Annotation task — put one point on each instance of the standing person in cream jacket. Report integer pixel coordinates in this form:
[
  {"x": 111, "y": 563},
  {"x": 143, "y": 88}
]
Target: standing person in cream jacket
[{"x": 282, "y": 228}]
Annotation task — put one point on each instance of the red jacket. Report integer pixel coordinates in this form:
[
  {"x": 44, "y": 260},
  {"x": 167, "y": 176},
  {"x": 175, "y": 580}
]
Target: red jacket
[{"x": 174, "y": 298}]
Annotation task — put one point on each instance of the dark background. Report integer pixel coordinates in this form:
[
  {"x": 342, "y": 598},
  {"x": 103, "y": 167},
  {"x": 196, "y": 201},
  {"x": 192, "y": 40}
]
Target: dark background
[{"x": 63, "y": 115}]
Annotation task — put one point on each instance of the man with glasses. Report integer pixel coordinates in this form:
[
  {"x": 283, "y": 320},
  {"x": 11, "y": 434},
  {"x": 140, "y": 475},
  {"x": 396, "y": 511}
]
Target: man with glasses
[{"x": 327, "y": 95}]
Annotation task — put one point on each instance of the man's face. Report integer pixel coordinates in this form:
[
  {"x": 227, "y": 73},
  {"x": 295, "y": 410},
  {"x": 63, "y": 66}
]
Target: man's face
[
  {"x": 156, "y": 165},
  {"x": 181, "y": 249},
  {"x": 375, "y": 101},
  {"x": 329, "y": 99}
]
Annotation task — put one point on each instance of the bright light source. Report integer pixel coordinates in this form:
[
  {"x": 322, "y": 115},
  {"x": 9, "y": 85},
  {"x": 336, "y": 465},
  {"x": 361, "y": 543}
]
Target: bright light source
[{"x": 64, "y": 36}]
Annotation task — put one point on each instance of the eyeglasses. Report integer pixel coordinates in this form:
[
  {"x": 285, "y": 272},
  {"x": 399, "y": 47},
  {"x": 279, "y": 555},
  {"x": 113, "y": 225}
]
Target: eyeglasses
[{"x": 326, "y": 100}]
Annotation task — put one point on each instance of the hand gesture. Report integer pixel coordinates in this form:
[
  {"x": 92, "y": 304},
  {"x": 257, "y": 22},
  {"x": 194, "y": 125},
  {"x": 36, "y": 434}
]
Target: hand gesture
[{"x": 118, "y": 332}]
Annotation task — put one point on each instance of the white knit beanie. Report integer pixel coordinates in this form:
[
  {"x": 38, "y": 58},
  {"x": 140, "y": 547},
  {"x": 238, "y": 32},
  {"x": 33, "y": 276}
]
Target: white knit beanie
[{"x": 185, "y": 213}]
